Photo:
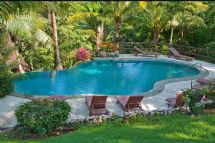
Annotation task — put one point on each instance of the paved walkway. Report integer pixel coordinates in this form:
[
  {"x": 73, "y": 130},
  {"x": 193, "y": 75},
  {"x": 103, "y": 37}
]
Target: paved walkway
[{"x": 80, "y": 111}]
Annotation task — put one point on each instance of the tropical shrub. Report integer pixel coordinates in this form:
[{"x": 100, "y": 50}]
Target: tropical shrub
[
  {"x": 164, "y": 49},
  {"x": 68, "y": 58},
  {"x": 211, "y": 96},
  {"x": 72, "y": 38},
  {"x": 83, "y": 54},
  {"x": 193, "y": 98},
  {"x": 6, "y": 77},
  {"x": 40, "y": 59},
  {"x": 42, "y": 116}
]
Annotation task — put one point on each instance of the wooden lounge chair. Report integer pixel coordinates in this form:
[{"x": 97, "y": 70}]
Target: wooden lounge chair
[
  {"x": 202, "y": 83},
  {"x": 139, "y": 51},
  {"x": 96, "y": 105},
  {"x": 175, "y": 102},
  {"x": 130, "y": 102},
  {"x": 174, "y": 53}
]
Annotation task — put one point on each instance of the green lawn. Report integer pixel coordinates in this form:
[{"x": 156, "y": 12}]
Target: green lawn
[{"x": 168, "y": 129}]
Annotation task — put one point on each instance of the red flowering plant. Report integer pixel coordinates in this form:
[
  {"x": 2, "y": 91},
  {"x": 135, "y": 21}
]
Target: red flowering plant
[{"x": 83, "y": 54}]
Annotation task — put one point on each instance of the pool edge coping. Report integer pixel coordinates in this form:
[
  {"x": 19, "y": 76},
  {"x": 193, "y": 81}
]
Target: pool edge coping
[{"x": 157, "y": 88}]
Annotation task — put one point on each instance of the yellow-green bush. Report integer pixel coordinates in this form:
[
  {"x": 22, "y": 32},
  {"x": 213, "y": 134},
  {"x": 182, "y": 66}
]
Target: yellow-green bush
[{"x": 6, "y": 77}]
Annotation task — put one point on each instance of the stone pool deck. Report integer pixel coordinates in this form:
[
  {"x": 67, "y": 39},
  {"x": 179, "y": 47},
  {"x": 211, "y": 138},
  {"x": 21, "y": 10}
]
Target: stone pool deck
[{"x": 80, "y": 110}]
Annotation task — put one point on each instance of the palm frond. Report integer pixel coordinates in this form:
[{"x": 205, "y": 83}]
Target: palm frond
[
  {"x": 19, "y": 26},
  {"x": 8, "y": 8},
  {"x": 44, "y": 38}
]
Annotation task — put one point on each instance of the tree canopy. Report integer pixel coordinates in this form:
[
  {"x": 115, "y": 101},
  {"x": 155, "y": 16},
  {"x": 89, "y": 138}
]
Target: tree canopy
[{"x": 45, "y": 35}]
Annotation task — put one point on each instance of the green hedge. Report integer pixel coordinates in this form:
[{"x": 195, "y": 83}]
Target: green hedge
[
  {"x": 6, "y": 78},
  {"x": 42, "y": 116}
]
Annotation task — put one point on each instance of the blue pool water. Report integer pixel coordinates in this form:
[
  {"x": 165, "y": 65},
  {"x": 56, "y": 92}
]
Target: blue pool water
[{"x": 102, "y": 77}]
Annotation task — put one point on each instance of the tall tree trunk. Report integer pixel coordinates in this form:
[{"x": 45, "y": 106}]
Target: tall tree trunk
[
  {"x": 117, "y": 34},
  {"x": 155, "y": 36},
  {"x": 171, "y": 36},
  {"x": 52, "y": 20},
  {"x": 100, "y": 34},
  {"x": 21, "y": 70},
  {"x": 14, "y": 55},
  {"x": 181, "y": 36}
]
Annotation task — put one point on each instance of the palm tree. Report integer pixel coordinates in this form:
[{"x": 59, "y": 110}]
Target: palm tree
[
  {"x": 173, "y": 23},
  {"x": 14, "y": 26},
  {"x": 22, "y": 27},
  {"x": 188, "y": 17},
  {"x": 156, "y": 18},
  {"x": 52, "y": 22},
  {"x": 119, "y": 9},
  {"x": 121, "y": 12},
  {"x": 94, "y": 14}
]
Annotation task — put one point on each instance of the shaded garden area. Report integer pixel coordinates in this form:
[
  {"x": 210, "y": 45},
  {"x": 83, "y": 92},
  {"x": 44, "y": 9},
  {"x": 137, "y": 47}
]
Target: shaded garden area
[{"x": 45, "y": 36}]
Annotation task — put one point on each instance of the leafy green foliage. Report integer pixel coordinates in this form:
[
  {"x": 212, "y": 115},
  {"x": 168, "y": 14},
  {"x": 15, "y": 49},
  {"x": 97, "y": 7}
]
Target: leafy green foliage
[
  {"x": 71, "y": 39},
  {"x": 68, "y": 58},
  {"x": 40, "y": 58},
  {"x": 42, "y": 116},
  {"x": 174, "y": 128},
  {"x": 116, "y": 120},
  {"x": 6, "y": 77},
  {"x": 210, "y": 95},
  {"x": 193, "y": 97},
  {"x": 77, "y": 24}
]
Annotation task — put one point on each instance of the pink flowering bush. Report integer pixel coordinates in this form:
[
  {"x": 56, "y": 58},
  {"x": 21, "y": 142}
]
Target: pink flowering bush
[{"x": 83, "y": 54}]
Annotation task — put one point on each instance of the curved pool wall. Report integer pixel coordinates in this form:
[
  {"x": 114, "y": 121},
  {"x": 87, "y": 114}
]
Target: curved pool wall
[{"x": 132, "y": 87}]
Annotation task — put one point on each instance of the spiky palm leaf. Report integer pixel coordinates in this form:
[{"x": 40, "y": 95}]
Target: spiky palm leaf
[
  {"x": 92, "y": 13},
  {"x": 44, "y": 38},
  {"x": 8, "y": 8},
  {"x": 20, "y": 26},
  {"x": 27, "y": 27}
]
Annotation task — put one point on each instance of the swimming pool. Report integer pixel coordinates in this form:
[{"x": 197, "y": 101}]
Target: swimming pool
[{"x": 109, "y": 77}]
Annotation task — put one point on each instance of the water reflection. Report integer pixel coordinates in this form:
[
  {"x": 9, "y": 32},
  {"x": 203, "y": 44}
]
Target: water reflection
[{"x": 102, "y": 77}]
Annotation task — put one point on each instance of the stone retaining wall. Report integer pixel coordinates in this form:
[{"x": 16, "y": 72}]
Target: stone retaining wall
[
  {"x": 127, "y": 115},
  {"x": 103, "y": 118}
]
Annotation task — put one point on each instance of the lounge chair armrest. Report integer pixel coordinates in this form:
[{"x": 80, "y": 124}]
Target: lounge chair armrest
[{"x": 133, "y": 105}]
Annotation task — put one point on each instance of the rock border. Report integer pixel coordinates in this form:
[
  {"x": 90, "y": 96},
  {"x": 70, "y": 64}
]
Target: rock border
[
  {"x": 127, "y": 115},
  {"x": 103, "y": 118}
]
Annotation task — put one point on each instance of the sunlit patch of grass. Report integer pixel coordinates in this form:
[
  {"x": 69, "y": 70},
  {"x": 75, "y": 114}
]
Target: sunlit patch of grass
[
  {"x": 180, "y": 136},
  {"x": 152, "y": 127},
  {"x": 169, "y": 129},
  {"x": 201, "y": 129}
]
